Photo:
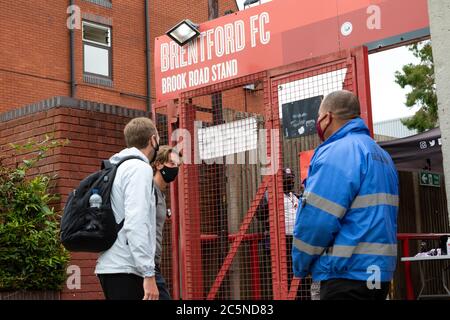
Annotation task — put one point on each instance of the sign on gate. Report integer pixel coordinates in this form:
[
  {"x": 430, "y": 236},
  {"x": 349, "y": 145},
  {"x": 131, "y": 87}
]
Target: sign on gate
[
  {"x": 227, "y": 139},
  {"x": 279, "y": 33}
]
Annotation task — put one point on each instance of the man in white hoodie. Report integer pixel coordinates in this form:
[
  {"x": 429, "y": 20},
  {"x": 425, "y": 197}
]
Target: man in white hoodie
[{"x": 127, "y": 270}]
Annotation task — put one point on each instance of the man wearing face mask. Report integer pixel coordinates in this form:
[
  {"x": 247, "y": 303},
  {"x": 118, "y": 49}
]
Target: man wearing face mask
[
  {"x": 290, "y": 200},
  {"x": 290, "y": 208},
  {"x": 345, "y": 232},
  {"x": 127, "y": 270},
  {"x": 165, "y": 167}
]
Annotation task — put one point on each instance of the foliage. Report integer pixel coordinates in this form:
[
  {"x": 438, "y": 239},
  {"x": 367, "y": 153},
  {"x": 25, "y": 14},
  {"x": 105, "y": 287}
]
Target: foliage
[
  {"x": 31, "y": 256},
  {"x": 421, "y": 79}
]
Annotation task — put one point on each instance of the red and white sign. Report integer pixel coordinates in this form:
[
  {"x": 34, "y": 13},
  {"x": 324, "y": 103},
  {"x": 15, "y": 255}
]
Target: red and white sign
[{"x": 279, "y": 33}]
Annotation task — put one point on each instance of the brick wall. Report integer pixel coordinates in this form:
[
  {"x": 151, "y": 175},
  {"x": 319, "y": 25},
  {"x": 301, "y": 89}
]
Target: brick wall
[
  {"x": 93, "y": 137},
  {"x": 34, "y": 50},
  {"x": 34, "y": 59}
]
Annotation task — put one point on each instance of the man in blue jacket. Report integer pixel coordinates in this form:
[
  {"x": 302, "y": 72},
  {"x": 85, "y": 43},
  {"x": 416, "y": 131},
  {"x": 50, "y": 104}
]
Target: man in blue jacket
[{"x": 345, "y": 233}]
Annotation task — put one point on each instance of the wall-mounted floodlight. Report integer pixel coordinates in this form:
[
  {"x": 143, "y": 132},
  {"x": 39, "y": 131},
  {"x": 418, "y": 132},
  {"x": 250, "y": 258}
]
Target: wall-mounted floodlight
[{"x": 184, "y": 32}]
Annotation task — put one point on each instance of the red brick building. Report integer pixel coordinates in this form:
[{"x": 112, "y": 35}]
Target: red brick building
[
  {"x": 35, "y": 56},
  {"x": 82, "y": 84}
]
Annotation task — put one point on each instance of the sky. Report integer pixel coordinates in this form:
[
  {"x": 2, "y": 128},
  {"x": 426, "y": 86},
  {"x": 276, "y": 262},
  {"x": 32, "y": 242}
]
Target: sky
[{"x": 388, "y": 98}]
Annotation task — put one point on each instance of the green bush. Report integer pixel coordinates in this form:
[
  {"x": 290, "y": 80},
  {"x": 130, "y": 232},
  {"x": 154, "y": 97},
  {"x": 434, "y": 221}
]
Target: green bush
[{"x": 31, "y": 255}]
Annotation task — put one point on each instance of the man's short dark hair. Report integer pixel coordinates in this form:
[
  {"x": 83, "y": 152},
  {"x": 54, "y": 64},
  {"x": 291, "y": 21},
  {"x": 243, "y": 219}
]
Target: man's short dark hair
[{"x": 344, "y": 104}]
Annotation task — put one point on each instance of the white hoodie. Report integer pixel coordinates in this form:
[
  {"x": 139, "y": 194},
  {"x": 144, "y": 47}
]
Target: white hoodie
[{"x": 132, "y": 198}]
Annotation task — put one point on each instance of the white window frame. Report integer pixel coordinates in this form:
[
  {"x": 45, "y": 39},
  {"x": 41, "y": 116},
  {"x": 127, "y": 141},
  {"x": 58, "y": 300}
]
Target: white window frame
[
  {"x": 99, "y": 26},
  {"x": 108, "y": 47}
]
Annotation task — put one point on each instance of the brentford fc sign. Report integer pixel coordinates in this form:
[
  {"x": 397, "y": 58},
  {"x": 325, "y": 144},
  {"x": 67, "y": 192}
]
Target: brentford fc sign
[
  {"x": 212, "y": 54},
  {"x": 279, "y": 33}
]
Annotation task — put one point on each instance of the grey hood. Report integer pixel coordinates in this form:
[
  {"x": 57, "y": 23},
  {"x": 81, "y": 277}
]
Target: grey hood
[{"x": 126, "y": 153}]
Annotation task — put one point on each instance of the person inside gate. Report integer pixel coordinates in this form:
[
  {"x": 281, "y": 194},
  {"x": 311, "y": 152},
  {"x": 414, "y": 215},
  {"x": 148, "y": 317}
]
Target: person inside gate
[
  {"x": 290, "y": 209},
  {"x": 165, "y": 167},
  {"x": 345, "y": 232},
  {"x": 290, "y": 203},
  {"x": 291, "y": 200}
]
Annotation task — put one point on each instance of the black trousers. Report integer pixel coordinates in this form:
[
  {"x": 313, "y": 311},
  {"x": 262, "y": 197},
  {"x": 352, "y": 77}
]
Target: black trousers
[
  {"x": 123, "y": 286},
  {"x": 343, "y": 289}
]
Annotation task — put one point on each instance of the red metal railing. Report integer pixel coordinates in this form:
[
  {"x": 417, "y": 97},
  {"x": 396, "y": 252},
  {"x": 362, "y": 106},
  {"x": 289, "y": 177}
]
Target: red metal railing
[{"x": 252, "y": 239}]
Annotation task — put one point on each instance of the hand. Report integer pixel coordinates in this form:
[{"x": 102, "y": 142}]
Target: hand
[
  {"x": 293, "y": 200},
  {"x": 150, "y": 289}
]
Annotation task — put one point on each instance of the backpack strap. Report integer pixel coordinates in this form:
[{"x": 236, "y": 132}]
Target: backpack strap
[
  {"x": 156, "y": 194},
  {"x": 106, "y": 164},
  {"x": 120, "y": 225}
]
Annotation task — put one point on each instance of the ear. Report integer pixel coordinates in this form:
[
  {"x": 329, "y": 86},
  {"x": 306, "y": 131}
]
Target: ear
[
  {"x": 153, "y": 140},
  {"x": 150, "y": 142},
  {"x": 329, "y": 117}
]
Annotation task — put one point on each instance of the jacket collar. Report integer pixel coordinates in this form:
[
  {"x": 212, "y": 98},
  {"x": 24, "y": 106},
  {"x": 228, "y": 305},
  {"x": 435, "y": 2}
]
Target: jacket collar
[{"x": 355, "y": 126}]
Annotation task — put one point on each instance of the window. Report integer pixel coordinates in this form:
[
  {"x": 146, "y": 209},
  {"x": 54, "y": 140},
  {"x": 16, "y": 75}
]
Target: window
[
  {"x": 103, "y": 3},
  {"x": 97, "y": 49}
]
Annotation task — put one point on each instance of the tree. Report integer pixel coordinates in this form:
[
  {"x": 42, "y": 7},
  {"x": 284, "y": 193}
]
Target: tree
[{"x": 420, "y": 78}]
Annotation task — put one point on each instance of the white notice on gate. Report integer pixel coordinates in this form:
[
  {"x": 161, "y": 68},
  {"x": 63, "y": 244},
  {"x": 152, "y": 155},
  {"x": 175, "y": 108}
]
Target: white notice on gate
[{"x": 226, "y": 139}]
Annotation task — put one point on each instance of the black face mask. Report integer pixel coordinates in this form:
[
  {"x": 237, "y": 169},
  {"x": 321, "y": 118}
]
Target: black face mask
[
  {"x": 156, "y": 153},
  {"x": 169, "y": 174},
  {"x": 288, "y": 186},
  {"x": 291, "y": 187}
]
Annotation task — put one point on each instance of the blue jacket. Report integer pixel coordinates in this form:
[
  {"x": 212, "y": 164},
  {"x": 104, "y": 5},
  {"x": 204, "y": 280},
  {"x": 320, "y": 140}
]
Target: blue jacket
[{"x": 346, "y": 225}]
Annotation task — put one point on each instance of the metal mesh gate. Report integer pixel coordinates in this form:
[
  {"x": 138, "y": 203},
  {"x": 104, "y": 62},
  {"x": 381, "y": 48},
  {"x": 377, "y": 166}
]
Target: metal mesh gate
[
  {"x": 226, "y": 251},
  {"x": 235, "y": 221}
]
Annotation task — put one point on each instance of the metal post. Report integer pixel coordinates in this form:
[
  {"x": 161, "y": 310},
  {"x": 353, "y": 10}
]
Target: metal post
[
  {"x": 363, "y": 85},
  {"x": 254, "y": 267},
  {"x": 409, "y": 283},
  {"x": 190, "y": 243},
  {"x": 176, "y": 276}
]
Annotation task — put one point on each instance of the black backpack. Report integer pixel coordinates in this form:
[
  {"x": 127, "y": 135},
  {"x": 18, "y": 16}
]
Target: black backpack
[{"x": 86, "y": 229}]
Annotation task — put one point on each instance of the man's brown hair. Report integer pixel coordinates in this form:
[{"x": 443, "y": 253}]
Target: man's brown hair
[
  {"x": 138, "y": 132},
  {"x": 163, "y": 156}
]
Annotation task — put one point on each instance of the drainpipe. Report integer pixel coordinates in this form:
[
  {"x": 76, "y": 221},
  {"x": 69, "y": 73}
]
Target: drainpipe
[
  {"x": 148, "y": 57},
  {"x": 73, "y": 85}
]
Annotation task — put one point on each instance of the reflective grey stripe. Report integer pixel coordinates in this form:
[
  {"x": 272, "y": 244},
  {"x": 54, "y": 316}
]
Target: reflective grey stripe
[
  {"x": 375, "y": 249},
  {"x": 307, "y": 248},
  {"x": 325, "y": 205},
  {"x": 342, "y": 251},
  {"x": 375, "y": 200}
]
